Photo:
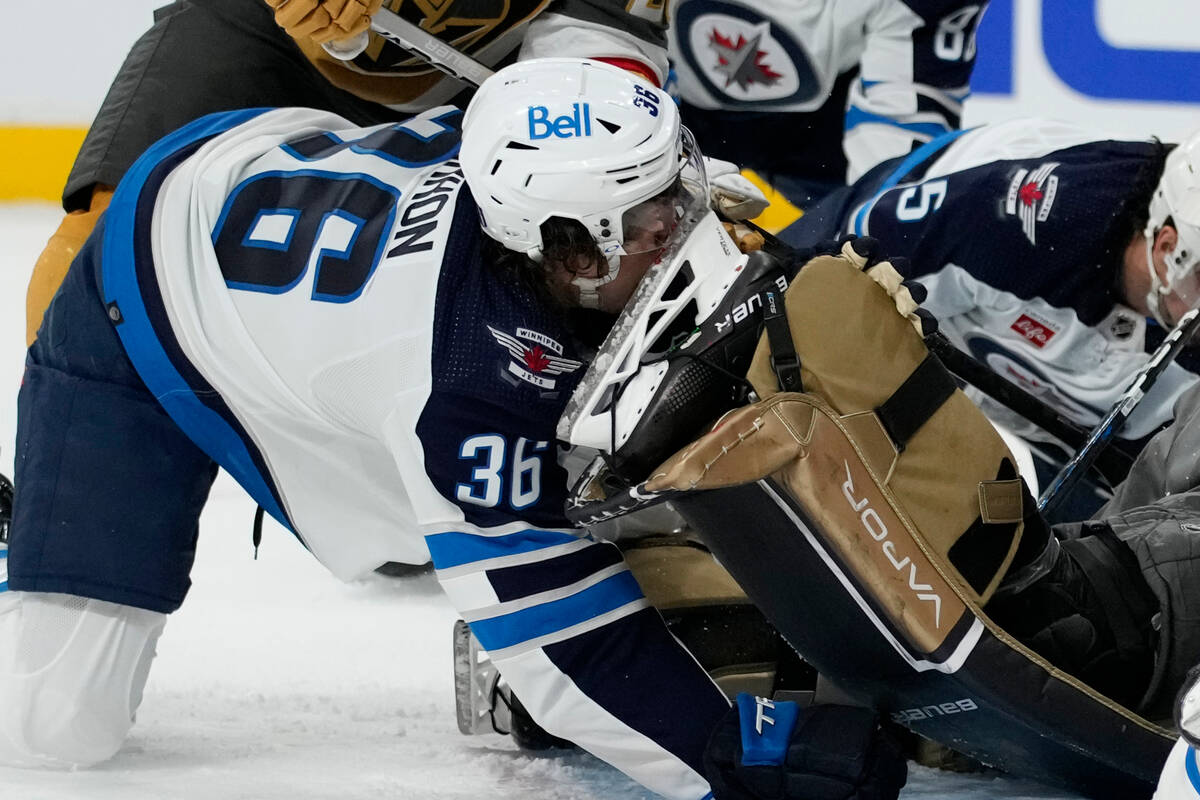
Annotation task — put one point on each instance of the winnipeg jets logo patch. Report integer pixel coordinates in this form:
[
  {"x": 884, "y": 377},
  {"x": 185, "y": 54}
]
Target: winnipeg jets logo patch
[
  {"x": 741, "y": 61},
  {"x": 533, "y": 357},
  {"x": 1030, "y": 197},
  {"x": 737, "y": 55}
]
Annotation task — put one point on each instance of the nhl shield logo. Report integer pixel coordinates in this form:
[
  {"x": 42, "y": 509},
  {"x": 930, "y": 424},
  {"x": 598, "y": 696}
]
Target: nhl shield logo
[
  {"x": 534, "y": 357},
  {"x": 1030, "y": 197}
]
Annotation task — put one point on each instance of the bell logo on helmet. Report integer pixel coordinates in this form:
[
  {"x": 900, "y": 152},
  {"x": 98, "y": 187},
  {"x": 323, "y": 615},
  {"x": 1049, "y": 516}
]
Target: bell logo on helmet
[{"x": 568, "y": 126}]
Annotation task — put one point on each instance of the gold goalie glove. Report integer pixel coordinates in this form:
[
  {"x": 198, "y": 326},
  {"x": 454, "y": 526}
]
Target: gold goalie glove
[{"x": 323, "y": 21}]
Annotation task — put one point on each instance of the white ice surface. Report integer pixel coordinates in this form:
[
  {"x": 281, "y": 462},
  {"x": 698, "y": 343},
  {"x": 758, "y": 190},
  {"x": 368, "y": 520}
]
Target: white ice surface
[{"x": 277, "y": 682}]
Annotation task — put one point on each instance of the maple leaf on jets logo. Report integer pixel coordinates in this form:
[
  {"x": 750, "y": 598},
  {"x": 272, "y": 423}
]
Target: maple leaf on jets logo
[
  {"x": 534, "y": 363},
  {"x": 1029, "y": 193},
  {"x": 741, "y": 61},
  {"x": 535, "y": 358},
  {"x": 1031, "y": 196}
]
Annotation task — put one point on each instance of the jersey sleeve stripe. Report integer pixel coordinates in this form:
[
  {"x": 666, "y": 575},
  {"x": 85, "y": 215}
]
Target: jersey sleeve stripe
[
  {"x": 504, "y": 563},
  {"x": 856, "y": 116},
  {"x": 455, "y": 548},
  {"x": 557, "y": 572},
  {"x": 557, "y": 616},
  {"x": 555, "y": 569},
  {"x": 498, "y": 609},
  {"x": 592, "y": 623}
]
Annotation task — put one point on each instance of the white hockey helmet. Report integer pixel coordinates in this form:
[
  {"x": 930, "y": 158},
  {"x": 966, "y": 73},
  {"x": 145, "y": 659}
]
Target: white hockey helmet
[
  {"x": 1176, "y": 199},
  {"x": 581, "y": 140}
]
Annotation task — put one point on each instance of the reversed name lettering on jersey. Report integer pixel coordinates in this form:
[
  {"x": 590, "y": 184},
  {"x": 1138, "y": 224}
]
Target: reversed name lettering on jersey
[
  {"x": 1036, "y": 330},
  {"x": 1030, "y": 197},
  {"x": 422, "y": 213},
  {"x": 533, "y": 357}
]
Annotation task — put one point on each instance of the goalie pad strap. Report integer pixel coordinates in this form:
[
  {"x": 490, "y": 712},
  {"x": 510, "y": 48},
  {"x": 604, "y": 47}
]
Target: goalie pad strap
[
  {"x": 912, "y": 404},
  {"x": 784, "y": 361}
]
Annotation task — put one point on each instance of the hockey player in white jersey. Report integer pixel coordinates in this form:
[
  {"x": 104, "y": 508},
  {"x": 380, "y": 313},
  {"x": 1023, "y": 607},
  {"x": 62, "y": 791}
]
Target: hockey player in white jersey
[
  {"x": 317, "y": 309},
  {"x": 813, "y": 93}
]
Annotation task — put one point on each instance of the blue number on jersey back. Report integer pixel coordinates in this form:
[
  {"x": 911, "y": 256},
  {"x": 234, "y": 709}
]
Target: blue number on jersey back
[{"x": 275, "y": 225}]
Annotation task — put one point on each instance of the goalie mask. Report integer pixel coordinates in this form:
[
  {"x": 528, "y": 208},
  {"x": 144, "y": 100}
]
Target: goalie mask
[
  {"x": 585, "y": 141},
  {"x": 1176, "y": 201},
  {"x": 675, "y": 358}
]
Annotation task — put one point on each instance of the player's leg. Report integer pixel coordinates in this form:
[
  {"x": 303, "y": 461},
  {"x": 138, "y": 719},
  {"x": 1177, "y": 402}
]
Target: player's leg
[
  {"x": 108, "y": 497},
  {"x": 72, "y": 670}
]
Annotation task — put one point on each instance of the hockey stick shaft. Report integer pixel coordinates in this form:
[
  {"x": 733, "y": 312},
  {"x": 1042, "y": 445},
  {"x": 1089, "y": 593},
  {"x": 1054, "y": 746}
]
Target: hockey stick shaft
[
  {"x": 1113, "y": 463},
  {"x": 399, "y": 31},
  {"x": 1104, "y": 432}
]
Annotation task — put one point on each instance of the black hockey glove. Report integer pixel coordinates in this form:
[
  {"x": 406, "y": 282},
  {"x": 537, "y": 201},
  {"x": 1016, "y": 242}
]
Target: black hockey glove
[
  {"x": 766, "y": 750},
  {"x": 6, "y": 507}
]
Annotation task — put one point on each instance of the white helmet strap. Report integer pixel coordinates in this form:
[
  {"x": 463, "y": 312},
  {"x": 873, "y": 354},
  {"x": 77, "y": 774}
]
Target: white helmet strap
[
  {"x": 1158, "y": 290},
  {"x": 589, "y": 288}
]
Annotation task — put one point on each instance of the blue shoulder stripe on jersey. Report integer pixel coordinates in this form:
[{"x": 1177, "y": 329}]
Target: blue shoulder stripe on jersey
[
  {"x": 960, "y": 94},
  {"x": 914, "y": 159},
  {"x": 454, "y": 548},
  {"x": 1193, "y": 770},
  {"x": 3, "y": 567},
  {"x": 204, "y": 426},
  {"x": 856, "y": 116},
  {"x": 540, "y": 620}
]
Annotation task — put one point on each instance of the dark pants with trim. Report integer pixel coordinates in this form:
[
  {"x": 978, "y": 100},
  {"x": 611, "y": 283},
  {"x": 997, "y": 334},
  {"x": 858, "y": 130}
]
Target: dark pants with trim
[{"x": 108, "y": 489}]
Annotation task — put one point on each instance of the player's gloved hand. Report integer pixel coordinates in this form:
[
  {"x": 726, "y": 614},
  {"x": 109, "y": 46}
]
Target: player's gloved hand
[
  {"x": 766, "y": 750},
  {"x": 324, "y": 20},
  {"x": 746, "y": 238},
  {"x": 733, "y": 195},
  {"x": 866, "y": 253}
]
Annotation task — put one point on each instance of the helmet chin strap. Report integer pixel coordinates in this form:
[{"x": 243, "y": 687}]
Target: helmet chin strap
[
  {"x": 1158, "y": 290},
  {"x": 589, "y": 288}
]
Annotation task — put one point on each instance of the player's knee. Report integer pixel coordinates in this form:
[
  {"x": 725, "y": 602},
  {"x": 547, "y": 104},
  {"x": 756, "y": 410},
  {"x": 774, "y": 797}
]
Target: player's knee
[{"x": 71, "y": 677}]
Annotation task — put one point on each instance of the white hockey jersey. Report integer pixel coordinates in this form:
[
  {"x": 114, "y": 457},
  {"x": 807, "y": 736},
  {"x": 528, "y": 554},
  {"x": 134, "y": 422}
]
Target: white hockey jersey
[
  {"x": 310, "y": 303},
  {"x": 774, "y": 84}
]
